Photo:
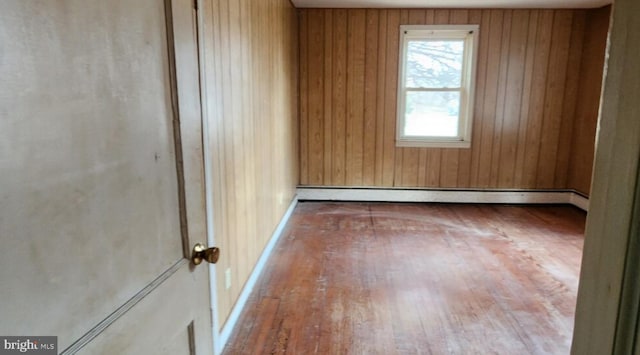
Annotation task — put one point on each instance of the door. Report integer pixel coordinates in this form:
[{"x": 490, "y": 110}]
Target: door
[{"x": 101, "y": 176}]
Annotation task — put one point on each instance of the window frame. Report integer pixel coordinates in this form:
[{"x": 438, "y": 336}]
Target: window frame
[{"x": 469, "y": 35}]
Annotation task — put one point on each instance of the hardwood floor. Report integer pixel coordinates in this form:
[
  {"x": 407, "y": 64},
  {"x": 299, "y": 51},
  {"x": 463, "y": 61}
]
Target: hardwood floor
[{"x": 377, "y": 278}]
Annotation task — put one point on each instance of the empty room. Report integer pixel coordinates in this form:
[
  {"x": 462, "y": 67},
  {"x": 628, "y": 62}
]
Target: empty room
[
  {"x": 495, "y": 109},
  {"x": 319, "y": 177}
]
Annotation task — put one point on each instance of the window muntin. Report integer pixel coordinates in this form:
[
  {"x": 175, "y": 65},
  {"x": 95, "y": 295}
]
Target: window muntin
[{"x": 435, "y": 97}]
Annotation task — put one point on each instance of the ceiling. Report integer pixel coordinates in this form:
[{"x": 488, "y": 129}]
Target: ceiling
[{"x": 451, "y": 3}]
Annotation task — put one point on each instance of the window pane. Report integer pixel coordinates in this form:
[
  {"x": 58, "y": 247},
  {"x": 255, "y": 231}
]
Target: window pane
[
  {"x": 432, "y": 113},
  {"x": 434, "y": 64}
]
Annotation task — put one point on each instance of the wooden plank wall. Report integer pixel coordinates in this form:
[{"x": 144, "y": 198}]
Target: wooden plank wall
[
  {"x": 250, "y": 52},
  {"x": 526, "y": 94},
  {"x": 586, "y": 118}
]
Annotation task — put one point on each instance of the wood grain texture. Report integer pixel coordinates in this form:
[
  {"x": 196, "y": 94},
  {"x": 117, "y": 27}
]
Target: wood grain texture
[
  {"x": 252, "y": 78},
  {"x": 530, "y": 88},
  {"x": 612, "y": 229},
  {"x": 586, "y": 114},
  {"x": 367, "y": 278},
  {"x": 554, "y": 98}
]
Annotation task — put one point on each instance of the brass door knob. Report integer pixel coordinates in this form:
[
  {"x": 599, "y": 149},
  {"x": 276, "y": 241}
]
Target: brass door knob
[{"x": 200, "y": 253}]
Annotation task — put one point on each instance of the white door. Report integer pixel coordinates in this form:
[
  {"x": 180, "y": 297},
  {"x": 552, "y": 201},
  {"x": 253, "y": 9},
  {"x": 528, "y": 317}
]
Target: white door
[{"x": 101, "y": 177}]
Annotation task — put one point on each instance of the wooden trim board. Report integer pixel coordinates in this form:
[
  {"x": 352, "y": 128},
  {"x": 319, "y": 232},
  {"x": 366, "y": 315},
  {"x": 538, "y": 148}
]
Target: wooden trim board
[
  {"x": 604, "y": 323},
  {"x": 445, "y": 196}
]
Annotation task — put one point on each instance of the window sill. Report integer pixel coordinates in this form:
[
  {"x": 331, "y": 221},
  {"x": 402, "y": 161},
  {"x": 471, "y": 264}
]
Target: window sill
[{"x": 422, "y": 143}]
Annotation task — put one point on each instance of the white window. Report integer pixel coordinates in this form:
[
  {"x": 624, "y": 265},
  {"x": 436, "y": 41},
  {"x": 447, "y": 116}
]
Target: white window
[{"x": 435, "y": 86}]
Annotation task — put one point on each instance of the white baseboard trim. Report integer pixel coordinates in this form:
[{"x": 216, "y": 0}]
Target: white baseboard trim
[
  {"x": 579, "y": 201},
  {"x": 225, "y": 333},
  {"x": 444, "y": 196}
]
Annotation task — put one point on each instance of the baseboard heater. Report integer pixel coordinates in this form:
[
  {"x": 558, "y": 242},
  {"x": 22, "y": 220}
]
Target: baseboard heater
[{"x": 365, "y": 194}]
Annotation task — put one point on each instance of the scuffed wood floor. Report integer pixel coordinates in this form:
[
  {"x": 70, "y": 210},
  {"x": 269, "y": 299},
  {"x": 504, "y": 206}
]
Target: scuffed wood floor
[{"x": 376, "y": 278}]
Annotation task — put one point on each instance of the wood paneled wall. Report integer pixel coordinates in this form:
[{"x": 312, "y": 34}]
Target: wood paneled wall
[
  {"x": 586, "y": 116},
  {"x": 251, "y": 65},
  {"x": 527, "y": 87}
]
